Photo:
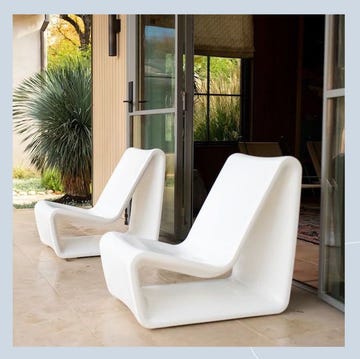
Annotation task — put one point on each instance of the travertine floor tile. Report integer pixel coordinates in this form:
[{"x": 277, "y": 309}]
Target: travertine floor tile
[
  {"x": 305, "y": 317},
  {"x": 55, "y": 332},
  {"x": 306, "y": 251},
  {"x": 66, "y": 303},
  {"x": 224, "y": 333}
]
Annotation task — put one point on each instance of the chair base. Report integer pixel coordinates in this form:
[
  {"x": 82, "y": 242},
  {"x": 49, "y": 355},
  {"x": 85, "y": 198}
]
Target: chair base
[
  {"x": 203, "y": 301},
  {"x": 81, "y": 246}
]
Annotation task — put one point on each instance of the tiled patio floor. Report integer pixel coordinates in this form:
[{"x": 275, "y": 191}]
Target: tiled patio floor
[
  {"x": 307, "y": 263},
  {"x": 66, "y": 303}
]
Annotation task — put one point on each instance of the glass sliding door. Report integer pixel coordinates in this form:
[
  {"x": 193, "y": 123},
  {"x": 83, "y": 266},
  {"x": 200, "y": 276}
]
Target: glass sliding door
[
  {"x": 333, "y": 171},
  {"x": 157, "y": 131},
  {"x": 155, "y": 104}
]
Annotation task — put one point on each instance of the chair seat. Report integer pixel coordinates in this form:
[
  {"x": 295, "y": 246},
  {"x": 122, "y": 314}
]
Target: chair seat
[{"x": 204, "y": 301}]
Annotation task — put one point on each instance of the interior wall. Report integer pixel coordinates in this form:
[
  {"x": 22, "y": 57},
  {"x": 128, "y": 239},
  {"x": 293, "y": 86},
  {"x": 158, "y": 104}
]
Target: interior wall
[
  {"x": 312, "y": 75},
  {"x": 275, "y": 78},
  {"x": 109, "y": 111}
]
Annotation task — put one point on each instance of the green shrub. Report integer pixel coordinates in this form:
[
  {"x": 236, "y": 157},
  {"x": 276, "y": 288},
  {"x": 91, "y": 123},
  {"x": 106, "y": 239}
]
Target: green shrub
[
  {"x": 23, "y": 173},
  {"x": 51, "y": 179}
]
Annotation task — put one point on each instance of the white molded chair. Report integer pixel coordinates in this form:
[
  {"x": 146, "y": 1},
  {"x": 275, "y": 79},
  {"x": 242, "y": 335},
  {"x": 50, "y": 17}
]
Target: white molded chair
[
  {"x": 139, "y": 176},
  {"x": 247, "y": 225}
]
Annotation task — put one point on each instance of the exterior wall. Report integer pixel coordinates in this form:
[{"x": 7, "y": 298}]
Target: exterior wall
[
  {"x": 26, "y": 61},
  {"x": 109, "y": 111}
]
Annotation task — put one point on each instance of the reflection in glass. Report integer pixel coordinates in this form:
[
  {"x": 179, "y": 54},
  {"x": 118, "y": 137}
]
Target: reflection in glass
[
  {"x": 334, "y": 195},
  {"x": 337, "y": 75},
  {"x": 157, "y": 62},
  {"x": 157, "y": 131}
]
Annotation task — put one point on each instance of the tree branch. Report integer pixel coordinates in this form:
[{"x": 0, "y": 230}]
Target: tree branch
[
  {"x": 66, "y": 37},
  {"x": 72, "y": 22},
  {"x": 84, "y": 36}
]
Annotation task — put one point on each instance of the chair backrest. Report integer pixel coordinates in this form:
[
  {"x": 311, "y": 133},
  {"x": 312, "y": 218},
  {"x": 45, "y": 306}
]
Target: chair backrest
[
  {"x": 132, "y": 167},
  {"x": 235, "y": 202}
]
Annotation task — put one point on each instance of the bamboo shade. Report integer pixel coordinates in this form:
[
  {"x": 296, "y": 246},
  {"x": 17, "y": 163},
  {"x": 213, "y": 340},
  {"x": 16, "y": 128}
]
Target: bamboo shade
[{"x": 224, "y": 35}]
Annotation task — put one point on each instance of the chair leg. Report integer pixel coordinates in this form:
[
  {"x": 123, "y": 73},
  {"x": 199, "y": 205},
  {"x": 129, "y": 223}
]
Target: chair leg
[
  {"x": 121, "y": 276},
  {"x": 45, "y": 223}
]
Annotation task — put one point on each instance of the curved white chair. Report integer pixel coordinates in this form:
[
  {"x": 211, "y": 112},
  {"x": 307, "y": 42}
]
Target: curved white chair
[
  {"x": 247, "y": 225},
  {"x": 139, "y": 176}
]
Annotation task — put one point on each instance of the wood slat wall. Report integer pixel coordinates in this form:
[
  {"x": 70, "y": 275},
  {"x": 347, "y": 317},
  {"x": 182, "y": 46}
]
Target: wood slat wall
[{"x": 109, "y": 111}]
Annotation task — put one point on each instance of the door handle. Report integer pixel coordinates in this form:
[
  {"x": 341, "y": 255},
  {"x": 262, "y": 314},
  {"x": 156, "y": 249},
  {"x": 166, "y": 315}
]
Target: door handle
[{"x": 131, "y": 96}]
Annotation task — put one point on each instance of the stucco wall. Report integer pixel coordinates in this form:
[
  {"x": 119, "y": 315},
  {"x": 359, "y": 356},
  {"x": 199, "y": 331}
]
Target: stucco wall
[{"x": 26, "y": 61}]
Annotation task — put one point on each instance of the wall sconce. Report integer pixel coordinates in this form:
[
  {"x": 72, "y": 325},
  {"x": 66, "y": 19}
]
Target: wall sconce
[{"x": 114, "y": 28}]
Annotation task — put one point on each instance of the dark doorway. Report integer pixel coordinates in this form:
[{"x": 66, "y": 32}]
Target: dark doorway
[{"x": 280, "y": 92}]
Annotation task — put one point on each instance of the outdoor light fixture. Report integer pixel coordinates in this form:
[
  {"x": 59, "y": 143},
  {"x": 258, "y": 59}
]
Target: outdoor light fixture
[{"x": 114, "y": 28}]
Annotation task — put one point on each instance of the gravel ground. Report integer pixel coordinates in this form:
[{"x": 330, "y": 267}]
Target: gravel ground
[{"x": 26, "y": 198}]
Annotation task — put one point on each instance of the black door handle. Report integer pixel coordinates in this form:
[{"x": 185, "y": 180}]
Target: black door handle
[{"x": 130, "y": 100}]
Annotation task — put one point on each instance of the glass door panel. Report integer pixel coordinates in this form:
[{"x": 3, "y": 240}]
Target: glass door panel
[
  {"x": 333, "y": 216},
  {"x": 157, "y": 112},
  {"x": 156, "y": 81},
  {"x": 332, "y": 284},
  {"x": 157, "y": 131},
  {"x": 336, "y": 77}
]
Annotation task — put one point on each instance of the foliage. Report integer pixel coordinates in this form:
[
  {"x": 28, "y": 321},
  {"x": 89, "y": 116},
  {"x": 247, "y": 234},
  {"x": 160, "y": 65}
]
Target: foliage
[
  {"x": 82, "y": 26},
  {"x": 224, "y": 112},
  {"x": 23, "y": 173},
  {"x": 224, "y": 120},
  {"x": 51, "y": 179},
  {"x": 52, "y": 109},
  {"x": 28, "y": 184},
  {"x": 64, "y": 53},
  {"x": 68, "y": 35}
]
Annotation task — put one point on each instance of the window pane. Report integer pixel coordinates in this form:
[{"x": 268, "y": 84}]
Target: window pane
[
  {"x": 157, "y": 62},
  {"x": 217, "y": 81},
  {"x": 224, "y": 118},
  {"x": 200, "y": 122},
  {"x": 224, "y": 75},
  {"x": 200, "y": 74}
]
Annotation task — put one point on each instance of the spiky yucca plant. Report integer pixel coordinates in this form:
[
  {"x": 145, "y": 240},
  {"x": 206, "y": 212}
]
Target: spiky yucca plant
[{"x": 52, "y": 109}]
